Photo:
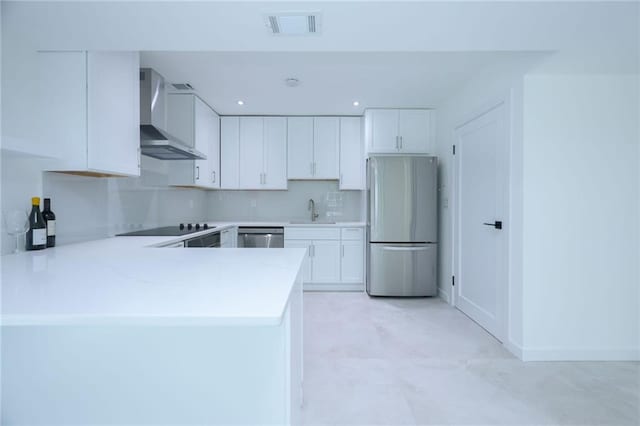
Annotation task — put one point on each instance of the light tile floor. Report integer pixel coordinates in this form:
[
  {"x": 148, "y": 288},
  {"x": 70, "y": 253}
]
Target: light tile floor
[{"x": 374, "y": 361}]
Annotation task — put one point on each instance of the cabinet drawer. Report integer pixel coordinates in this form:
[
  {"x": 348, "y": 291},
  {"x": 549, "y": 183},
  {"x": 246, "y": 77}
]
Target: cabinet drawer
[
  {"x": 297, "y": 233},
  {"x": 353, "y": 234}
]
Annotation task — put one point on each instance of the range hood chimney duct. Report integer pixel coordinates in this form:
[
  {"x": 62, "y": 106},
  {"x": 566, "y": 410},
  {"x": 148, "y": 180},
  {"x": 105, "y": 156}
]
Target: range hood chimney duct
[{"x": 155, "y": 141}]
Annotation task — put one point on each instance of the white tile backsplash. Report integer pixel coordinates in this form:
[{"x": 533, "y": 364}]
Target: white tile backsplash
[
  {"x": 87, "y": 208},
  {"x": 292, "y": 204}
]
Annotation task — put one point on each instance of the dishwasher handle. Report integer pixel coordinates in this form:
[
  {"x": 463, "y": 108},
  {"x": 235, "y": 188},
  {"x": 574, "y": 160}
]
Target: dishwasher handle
[{"x": 401, "y": 248}]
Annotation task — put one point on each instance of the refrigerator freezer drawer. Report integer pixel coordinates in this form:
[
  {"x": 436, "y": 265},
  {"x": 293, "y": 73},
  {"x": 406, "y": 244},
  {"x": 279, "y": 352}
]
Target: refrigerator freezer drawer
[{"x": 402, "y": 270}]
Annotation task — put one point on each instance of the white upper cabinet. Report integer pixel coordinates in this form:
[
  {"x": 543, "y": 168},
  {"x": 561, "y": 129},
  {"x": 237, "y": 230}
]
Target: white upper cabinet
[
  {"x": 326, "y": 139},
  {"x": 192, "y": 121},
  {"x": 230, "y": 152},
  {"x": 196, "y": 124},
  {"x": 251, "y": 152},
  {"x": 254, "y": 152},
  {"x": 89, "y": 111},
  {"x": 351, "y": 153},
  {"x": 313, "y": 147},
  {"x": 399, "y": 131},
  {"x": 214, "y": 150},
  {"x": 300, "y": 147},
  {"x": 275, "y": 153}
]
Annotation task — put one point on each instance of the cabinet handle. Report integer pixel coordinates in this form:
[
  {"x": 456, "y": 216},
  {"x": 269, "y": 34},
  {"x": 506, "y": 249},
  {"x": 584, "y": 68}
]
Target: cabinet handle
[
  {"x": 397, "y": 142},
  {"x": 342, "y": 250},
  {"x": 213, "y": 177},
  {"x": 400, "y": 142},
  {"x": 197, "y": 172},
  {"x": 264, "y": 179}
]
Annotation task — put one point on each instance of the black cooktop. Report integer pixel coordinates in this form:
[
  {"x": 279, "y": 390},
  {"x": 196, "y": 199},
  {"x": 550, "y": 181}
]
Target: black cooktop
[{"x": 169, "y": 231}]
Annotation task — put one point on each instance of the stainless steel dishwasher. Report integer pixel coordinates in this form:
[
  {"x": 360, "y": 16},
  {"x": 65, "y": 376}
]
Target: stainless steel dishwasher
[{"x": 261, "y": 237}]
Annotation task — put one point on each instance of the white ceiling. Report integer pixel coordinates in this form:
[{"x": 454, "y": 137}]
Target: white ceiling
[
  {"x": 329, "y": 82},
  {"x": 383, "y": 53}
]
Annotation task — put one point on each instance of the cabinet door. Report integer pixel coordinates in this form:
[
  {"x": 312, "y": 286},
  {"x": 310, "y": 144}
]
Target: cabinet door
[
  {"x": 62, "y": 113},
  {"x": 203, "y": 135},
  {"x": 352, "y": 268},
  {"x": 251, "y": 152},
  {"x": 384, "y": 130},
  {"x": 326, "y": 136},
  {"x": 113, "y": 112},
  {"x": 306, "y": 267},
  {"x": 275, "y": 153},
  {"x": 351, "y": 155},
  {"x": 228, "y": 238},
  {"x": 325, "y": 267},
  {"x": 414, "y": 127},
  {"x": 230, "y": 152},
  {"x": 214, "y": 150},
  {"x": 300, "y": 147}
]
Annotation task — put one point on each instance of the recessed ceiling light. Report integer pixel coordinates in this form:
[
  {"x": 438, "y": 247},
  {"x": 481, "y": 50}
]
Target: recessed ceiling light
[
  {"x": 292, "y": 82},
  {"x": 356, "y": 103},
  {"x": 240, "y": 102}
]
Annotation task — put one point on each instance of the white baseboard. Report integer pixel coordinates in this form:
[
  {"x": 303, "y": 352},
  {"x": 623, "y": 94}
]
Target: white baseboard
[
  {"x": 580, "y": 354},
  {"x": 443, "y": 295},
  {"x": 333, "y": 287},
  {"x": 515, "y": 349}
]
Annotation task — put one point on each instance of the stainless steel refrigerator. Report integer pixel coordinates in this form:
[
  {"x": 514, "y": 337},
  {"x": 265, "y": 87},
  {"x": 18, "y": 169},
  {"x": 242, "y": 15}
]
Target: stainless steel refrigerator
[{"x": 402, "y": 225}]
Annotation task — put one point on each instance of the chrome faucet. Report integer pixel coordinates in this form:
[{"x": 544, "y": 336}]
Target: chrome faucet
[{"x": 312, "y": 207}]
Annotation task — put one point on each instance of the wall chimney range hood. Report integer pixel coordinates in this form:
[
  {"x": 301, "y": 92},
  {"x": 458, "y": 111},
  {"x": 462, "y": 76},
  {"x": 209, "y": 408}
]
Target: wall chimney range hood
[{"x": 155, "y": 141}]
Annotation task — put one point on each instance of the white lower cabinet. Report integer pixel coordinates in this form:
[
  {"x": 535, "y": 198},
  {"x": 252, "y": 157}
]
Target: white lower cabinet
[
  {"x": 335, "y": 256},
  {"x": 352, "y": 262},
  {"x": 305, "y": 244},
  {"x": 229, "y": 238},
  {"x": 325, "y": 255}
]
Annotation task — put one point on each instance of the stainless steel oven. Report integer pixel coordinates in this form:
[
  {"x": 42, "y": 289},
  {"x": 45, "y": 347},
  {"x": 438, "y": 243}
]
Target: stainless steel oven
[{"x": 210, "y": 240}]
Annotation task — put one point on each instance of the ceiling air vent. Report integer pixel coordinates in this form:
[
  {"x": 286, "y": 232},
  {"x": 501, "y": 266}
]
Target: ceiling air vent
[
  {"x": 182, "y": 86},
  {"x": 293, "y": 23}
]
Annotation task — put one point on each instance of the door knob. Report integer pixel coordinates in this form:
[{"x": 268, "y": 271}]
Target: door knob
[{"x": 497, "y": 224}]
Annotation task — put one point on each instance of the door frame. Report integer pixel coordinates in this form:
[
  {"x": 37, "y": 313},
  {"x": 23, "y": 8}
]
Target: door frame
[{"x": 505, "y": 103}]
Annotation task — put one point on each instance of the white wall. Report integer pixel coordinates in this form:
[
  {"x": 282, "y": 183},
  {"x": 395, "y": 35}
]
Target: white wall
[
  {"x": 574, "y": 289},
  {"x": 502, "y": 83},
  {"x": 287, "y": 205},
  {"x": 581, "y": 217}
]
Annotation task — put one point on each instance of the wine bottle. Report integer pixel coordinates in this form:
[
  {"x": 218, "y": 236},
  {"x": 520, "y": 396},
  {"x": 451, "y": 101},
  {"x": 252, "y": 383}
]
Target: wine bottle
[
  {"x": 50, "y": 221},
  {"x": 37, "y": 233}
]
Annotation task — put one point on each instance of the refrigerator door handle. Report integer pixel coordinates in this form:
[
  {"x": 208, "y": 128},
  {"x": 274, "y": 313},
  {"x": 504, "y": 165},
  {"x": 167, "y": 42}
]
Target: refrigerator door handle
[{"x": 396, "y": 248}]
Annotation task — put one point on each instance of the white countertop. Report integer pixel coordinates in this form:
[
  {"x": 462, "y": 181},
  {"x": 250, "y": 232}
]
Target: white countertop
[
  {"x": 297, "y": 224},
  {"x": 122, "y": 280}
]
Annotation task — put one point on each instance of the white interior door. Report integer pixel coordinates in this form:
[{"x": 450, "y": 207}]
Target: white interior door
[{"x": 481, "y": 201}]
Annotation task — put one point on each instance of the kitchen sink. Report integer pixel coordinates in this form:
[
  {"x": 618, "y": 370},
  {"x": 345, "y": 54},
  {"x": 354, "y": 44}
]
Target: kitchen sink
[{"x": 308, "y": 222}]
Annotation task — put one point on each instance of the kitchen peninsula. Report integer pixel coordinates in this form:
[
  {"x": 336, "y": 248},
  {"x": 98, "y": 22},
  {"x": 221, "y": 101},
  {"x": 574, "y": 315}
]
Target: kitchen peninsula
[{"x": 116, "y": 331}]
